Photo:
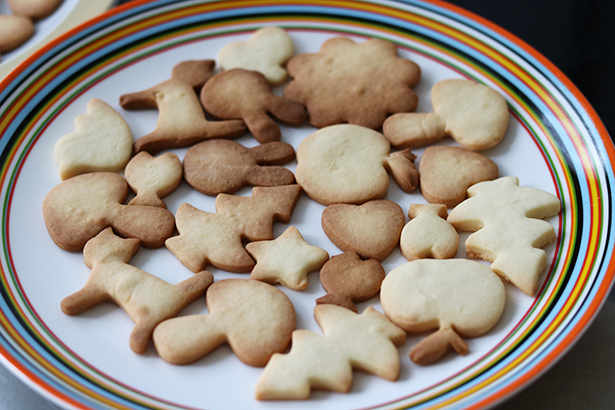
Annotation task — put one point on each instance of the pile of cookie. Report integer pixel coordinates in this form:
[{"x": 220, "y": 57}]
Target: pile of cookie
[
  {"x": 350, "y": 92},
  {"x": 18, "y": 27}
]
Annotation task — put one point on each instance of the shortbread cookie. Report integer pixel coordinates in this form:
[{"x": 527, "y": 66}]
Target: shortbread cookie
[
  {"x": 365, "y": 342},
  {"x": 102, "y": 141},
  {"x": 286, "y": 260},
  {"x": 349, "y": 279},
  {"x": 428, "y": 234},
  {"x": 372, "y": 230},
  {"x": 181, "y": 120},
  {"x": 218, "y": 238},
  {"x": 241, "y": 94},
  {"x": 147, "y": 299},
  {"x": 446, "y": 173},
  {"x": 474, "y": 115},
  {"x": 348, "y": 164},
  {"x": 509, "y": 230},
  {"x": 15, "y": 30},
  {"x": 254, "y": 318},
  {"x": 79, "y": 208},
  {"x": 35, "y": 9},
  {"x": 221, "y": 166},
  {"x": 153, "y": 178},
  {"x": 356, "y": 83},
  {"x": 267, "y": 51},
  {"x": 458, "y": 297}
]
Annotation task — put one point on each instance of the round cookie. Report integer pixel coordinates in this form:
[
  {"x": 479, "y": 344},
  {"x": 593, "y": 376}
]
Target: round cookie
[{"x": 14, "y": 31}]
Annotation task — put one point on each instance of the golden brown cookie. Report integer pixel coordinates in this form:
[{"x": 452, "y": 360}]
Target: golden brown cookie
[
  {"x": 35, "y": 9},
  {"x": 153, "y": 178},
  {"x": 222, "y": 166},
  {"x": 147, "y": 299},
  {"x": 14, "y": 31},
  {"x": 356, "y": 83},
  {"x": 181, "y": 120},
  {"x": 254, "y": 318},
  {"x": 242, "y": 94},
  {"x": 79, "y": 208}
]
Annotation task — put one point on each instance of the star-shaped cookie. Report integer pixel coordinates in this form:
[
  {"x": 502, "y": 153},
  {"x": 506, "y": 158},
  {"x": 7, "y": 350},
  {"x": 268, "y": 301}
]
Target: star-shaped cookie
[{"x": 286, "y": 260}]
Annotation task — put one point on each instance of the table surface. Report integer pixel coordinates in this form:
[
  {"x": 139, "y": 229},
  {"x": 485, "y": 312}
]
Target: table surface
[{"x": 577, "y": 36}]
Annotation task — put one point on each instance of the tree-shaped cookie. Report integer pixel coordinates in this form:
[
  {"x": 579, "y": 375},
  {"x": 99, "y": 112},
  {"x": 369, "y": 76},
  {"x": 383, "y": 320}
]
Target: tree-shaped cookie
[
  {"x": 147, "y": 299},
  {"x": 153, "y": 178},
  {"x": 247, "y": 95},
  {"x": 254, "y": 318},
  {"x": 365, "y": 342},
  {"x": 102, "y": 141},
  {"x": 428, "y": 234},
  {"x": 348, "y": 279},
  {"x": 458, "y": 297},
  {"x": 222, "y": 166},
  {"x": 181, "y": 120},
  {"x": 509, "y": 229},
  {"x": 79, "y": 208},
  {"x": 286, "y": 259},
  {"x": 356, "y": 83},
  {"x": 372, "y": 229},
  {"x": 474, "y": 115},
  {"x": 218, "y": 238},
  {"x": 267, "y": 50},
  {"x": 350, "y": 164}
]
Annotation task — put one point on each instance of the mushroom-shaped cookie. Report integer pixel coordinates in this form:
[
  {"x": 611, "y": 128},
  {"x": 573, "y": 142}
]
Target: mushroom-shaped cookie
[
  {"x": 14, "y": 31},
  {"x": 350, "y": 164},
  {"x": 246, "y": 95},
  {"x": 79, "y": 208},
  {"x": 254, "y": 318},
  {"x": 181, "y": 120},
  {"x": 428, "y": 234},
  {"x": 222, "y": 166},
  {"x": 267, "y": 50},
  {"x": 356, "y": 83},
  {"x": 153, "y": 178},
  {"x": 474, "y": 115},
  {"x": 458, "y": 297},
  {"x": 102, "y": 141},
  {"x": 147, "y": 299},
  {"x": 372, "y": 229},
  {"x": 348, "y": 279}
]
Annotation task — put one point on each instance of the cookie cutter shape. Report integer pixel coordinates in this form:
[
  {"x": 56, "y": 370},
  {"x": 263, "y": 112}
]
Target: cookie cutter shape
[
  {"x": 153, "y": 178},
  {"x": 254, "y": 318},
  {"x": 79, "y": 208},
  {"x": 101, "y": 142},
  {"x": 428, "y": 234},
  {"x": 356, "y": 83},
  {"x": 458, "y": 297},
  {"x": 350, "y": 164},
  {"x": 222, "y": 166},
  {"x": 474, "y": 115},
  {"x": 326, "y": 361},
  {"x": 247, "y": 95},
  {"x": 147, "y": 299},
  {"x": 348, "y": 279},
  {"x": 266, "y": 51},
  {"x": 218, "y": 238},
  {"x": 509, "y": 230},
  {"x": 181, "y": 119}
]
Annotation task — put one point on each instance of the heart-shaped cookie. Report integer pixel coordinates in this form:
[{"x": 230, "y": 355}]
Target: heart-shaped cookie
[
  {"x": 446, "y": 173},
  {"x": 372, "y": 230}
]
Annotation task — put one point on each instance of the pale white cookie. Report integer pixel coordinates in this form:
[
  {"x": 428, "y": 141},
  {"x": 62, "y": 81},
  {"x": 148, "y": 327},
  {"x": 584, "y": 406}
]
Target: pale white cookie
[
  {"x": 458, "y": 297},
  {"x": 348, "y": 164},
  {"x": 266, "y": 52},
  {"x": 286, "y": 259},
  {"x": 153, "y": 178},
  {"x": 428, "y": 234},
  {"x": 102, "y": 141},
  {"x": 509, "y": 228},
  {"x": 365, "y": 342}
]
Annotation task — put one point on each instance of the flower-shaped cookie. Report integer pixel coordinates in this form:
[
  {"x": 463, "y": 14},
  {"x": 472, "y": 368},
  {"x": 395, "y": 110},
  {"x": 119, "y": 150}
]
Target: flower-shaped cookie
[{"x": 356, "y": 83}]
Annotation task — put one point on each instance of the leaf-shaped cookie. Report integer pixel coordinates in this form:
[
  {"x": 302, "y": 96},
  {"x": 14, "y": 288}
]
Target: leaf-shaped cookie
[{"x": 102, "y": 141}]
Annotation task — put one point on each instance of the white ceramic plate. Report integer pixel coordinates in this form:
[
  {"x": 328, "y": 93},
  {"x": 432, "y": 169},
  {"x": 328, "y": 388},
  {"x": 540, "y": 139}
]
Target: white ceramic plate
[{"x": 555, "y": 142}]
